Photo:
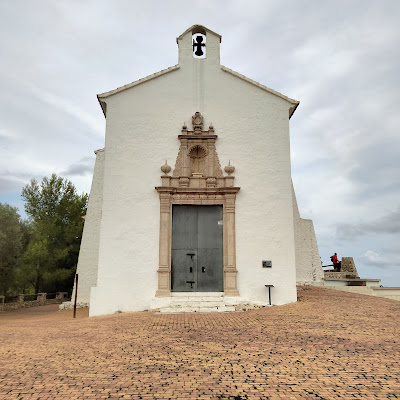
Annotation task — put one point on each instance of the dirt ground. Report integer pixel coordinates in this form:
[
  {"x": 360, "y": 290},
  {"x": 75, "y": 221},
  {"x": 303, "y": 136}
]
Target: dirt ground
[{"x": 329, "y": 345}]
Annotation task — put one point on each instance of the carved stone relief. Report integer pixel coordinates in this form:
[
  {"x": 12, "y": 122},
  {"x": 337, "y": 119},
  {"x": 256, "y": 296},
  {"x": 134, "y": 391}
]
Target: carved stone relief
[
  {"x": 197, "y": 154},
  {"x": 197, "y": 121}
]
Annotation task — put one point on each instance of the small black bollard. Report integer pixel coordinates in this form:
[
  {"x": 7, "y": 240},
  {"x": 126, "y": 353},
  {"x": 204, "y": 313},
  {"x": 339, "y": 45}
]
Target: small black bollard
[{"x": 76, "y": 293}]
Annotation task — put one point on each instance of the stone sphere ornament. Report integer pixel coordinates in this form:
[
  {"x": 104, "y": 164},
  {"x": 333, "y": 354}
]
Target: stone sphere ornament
[
  {"x": 165, "y": 168},
  {"x": 229, "y": 169}
]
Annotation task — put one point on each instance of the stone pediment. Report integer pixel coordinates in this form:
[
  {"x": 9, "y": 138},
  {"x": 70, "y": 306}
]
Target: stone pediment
[{"x": 197, "y": 164}]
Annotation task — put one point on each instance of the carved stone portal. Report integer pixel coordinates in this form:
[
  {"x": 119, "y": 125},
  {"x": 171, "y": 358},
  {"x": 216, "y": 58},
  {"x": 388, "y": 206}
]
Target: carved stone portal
[{"x": 197, "y": 179}]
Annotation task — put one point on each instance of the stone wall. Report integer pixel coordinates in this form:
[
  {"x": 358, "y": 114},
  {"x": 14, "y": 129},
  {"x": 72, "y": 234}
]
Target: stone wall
[
  {"x": 41, "y": 300},
  {"x": 308, "y": 263},
  {"x": 348, "y": 266},
  {"x": 89, "y": 250}
]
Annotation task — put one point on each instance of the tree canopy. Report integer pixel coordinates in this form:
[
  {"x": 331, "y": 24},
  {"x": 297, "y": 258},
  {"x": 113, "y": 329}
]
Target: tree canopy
[
  {"x": 11, "y": 246},
  {"x": 55, "y": 210}
]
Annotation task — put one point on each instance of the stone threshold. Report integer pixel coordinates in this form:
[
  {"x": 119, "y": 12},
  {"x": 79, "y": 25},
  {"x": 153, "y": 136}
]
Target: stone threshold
[
  {"x": 351, "y": 279},
  {"x": 197, "y": 294}
]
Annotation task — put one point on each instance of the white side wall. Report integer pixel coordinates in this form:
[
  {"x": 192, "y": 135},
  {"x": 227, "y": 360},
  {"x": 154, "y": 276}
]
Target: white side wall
[
  {"x": 308, "y": 262},
  {"x": 89, "y": 250},
  {"x": 142, "y": 128}
]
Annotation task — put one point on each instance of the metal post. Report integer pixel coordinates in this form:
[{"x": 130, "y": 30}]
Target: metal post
[
  {"x": 269, "y": 292},
  {"x": 76, "y": 293}
]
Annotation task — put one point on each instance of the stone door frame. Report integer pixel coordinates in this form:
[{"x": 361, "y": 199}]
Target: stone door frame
[
  {"x": 208, "y": 196},
  {"x": 197, "y": 179}
]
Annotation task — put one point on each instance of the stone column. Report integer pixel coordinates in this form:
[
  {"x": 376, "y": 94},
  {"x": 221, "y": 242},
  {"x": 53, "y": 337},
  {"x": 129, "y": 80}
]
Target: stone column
[
  {"x": 2, "y": 298},
  {"x": 61, "y": 295},
  {"x": 20, "y": 298},
  {"x": 41, "y": 297},
  {"x": 210, "y": 165},
  {"x": 164, "y": 272},
  {"x": 230, "y": 272},
  {"x": 185, "y": 158}
]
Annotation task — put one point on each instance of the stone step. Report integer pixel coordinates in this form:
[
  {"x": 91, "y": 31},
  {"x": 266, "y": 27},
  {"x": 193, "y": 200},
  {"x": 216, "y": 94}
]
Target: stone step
[
  {"x": 205, "y": 300},
  {"x": 203, "y": 309},
  {"x": 196, "y": 302},
  {"x": 197, "y": 294},
  {"x": 192, "y": 303}
]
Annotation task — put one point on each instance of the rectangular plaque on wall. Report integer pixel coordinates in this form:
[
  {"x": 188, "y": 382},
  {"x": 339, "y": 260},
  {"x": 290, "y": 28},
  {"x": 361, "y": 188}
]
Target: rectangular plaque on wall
[{"x": 267, "y": 264}]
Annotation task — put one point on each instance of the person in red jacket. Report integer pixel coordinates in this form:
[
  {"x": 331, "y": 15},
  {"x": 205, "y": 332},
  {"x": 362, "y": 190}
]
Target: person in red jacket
[{"x": 336, "y": 263}]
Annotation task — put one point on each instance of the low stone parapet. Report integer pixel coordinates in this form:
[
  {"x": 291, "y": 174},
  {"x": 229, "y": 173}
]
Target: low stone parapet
[
  {"x": 351, "y": 282},
  {"x": 392, "y": 293},
  {"x": 24, "y": 300},
  {"x": 339, "y": 275}
]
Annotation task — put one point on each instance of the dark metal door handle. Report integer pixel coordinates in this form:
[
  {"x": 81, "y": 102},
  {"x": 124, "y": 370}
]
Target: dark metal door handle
[
  {"x": 203, "y": 269},
  {"x": 191, "y": 269}
]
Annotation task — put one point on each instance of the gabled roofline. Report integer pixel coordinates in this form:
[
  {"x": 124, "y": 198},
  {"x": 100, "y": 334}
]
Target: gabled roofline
[
  {"x": 267, "y": 89},
  {"x": 102, "y": 96},
  {"x": 197, "y": 26}
]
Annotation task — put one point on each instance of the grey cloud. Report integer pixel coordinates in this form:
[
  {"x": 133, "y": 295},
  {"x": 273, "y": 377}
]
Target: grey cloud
[
  {"x": 341, "y": 62},
  {"x": 374, "y": 259},
  {"x": 82, "y": 167},
  {"x": 95, "y": 123},
  {"x": 9, "y": 185},
  {"x": 387, "y": 224},
  {"x": 13, "y": 181}
]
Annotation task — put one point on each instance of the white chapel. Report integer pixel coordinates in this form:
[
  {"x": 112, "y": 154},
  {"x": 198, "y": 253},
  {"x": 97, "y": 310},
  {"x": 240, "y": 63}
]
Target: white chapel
[{"x": 192, "y": 196}]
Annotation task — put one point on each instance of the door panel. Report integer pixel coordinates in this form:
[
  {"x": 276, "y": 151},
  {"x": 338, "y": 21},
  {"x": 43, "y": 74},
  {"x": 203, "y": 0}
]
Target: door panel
[
  {"x": 197, "y": 262},
  {"x": 184, "y": 249},
  {"x": 210, "y": 270},
  {"x": 184, "y": 227},
  {"x": 183, "y": 271}
]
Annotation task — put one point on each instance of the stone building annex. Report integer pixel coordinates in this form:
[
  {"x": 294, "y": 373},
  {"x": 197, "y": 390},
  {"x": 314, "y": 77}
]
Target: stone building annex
[{"x": 219, "y": 220}]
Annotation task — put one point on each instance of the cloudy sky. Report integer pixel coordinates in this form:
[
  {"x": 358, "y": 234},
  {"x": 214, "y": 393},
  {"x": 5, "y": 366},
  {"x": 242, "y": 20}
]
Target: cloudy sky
[{"x": 340, "y": 58}]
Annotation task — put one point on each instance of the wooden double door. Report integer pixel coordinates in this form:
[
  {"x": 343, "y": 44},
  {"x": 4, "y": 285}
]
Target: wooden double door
[{"x": 197, "y": 248}]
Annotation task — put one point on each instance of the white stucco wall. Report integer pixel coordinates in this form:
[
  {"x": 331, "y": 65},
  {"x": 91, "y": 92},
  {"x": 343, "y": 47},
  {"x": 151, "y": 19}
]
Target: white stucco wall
[
  {"x": 308, "y": 262},
  {"x": 89, "y": 250},
  {"x": 142, "y": 126}
]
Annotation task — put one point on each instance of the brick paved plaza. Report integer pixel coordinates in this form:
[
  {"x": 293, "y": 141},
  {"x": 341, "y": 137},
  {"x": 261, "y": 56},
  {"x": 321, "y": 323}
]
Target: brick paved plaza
[{"x": 330, "y": 345}]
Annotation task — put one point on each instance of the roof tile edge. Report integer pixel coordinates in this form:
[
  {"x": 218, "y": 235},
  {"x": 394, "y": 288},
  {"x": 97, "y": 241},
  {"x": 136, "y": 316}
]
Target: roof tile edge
[
  {"x": 267, "y": 89},
  {"x": 198, "y": 26},
  {"x": 138, "y": 82},
  {"x": 104, "y": 95}
]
